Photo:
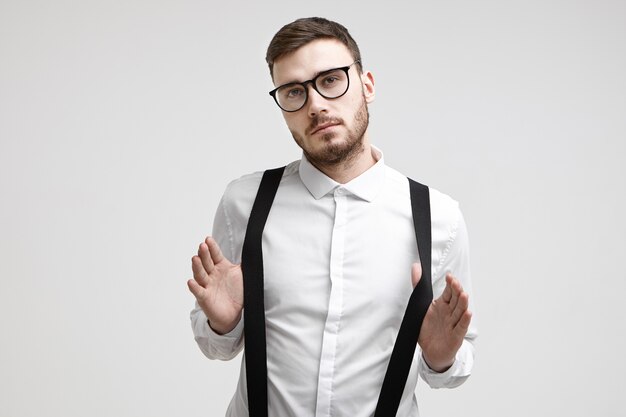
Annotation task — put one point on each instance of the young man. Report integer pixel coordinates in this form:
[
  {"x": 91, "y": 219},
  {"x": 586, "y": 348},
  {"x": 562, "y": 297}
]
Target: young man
[{"x": 340, "y": 256}]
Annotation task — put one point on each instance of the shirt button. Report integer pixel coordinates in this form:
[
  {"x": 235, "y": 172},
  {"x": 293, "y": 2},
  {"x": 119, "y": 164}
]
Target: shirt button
[{"x": 340, "y": 191}]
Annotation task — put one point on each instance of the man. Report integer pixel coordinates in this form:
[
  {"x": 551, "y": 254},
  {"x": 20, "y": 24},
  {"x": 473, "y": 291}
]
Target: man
[{"x": 339, "y": 250}]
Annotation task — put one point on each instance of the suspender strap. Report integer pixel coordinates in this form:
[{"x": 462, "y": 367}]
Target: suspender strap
[
  {"x": 253, "y": 305},
  {"x": 421, "y": 297}
]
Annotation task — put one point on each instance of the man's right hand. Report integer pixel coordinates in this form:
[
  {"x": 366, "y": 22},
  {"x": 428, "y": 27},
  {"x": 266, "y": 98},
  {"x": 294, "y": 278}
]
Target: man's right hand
[{"x": 217, "y": 284}]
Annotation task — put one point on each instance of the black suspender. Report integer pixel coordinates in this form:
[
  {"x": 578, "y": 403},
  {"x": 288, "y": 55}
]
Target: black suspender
[
  {"x": 253, "y": 302},
  {"x": 254, "y": 309},
  {"x": 421, "y": 297}
]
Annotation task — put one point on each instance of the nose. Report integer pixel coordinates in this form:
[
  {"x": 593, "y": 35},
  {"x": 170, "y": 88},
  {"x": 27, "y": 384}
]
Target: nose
[{"x": 316, "y": 104}]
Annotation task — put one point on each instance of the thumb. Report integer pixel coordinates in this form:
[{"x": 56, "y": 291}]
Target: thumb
[
  {"x": 416, "y": 273},
  {"x": 196, "y": 289}
]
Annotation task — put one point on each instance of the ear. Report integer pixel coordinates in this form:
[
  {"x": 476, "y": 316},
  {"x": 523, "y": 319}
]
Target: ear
[{"x": 367, "y": 79}]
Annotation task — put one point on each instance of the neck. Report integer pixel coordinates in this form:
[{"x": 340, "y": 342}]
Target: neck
[{"x": 350, "y": 168}]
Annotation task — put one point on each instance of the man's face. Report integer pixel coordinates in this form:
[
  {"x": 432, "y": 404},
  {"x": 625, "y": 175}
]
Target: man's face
[{"x": 329, "y": 131}]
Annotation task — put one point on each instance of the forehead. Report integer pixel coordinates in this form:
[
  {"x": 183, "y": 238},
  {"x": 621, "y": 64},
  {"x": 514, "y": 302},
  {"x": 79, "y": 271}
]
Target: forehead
[{"x": 310, "y": 59}]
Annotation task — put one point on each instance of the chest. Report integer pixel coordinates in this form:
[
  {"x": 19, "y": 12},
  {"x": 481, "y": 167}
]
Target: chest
[{"x": 365, "y": 249}]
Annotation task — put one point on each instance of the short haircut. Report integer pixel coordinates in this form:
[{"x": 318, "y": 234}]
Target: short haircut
[{"x": 302, "y": 31}]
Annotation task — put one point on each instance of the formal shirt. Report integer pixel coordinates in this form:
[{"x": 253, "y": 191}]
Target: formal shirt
[{"x": 337, "y": 265}]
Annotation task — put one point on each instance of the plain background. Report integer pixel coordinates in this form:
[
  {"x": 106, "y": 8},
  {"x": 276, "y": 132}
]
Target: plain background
[{"x": 121, "y": 123}]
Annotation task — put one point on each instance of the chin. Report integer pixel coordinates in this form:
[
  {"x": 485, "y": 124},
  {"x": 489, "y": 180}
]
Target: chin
[{"x": 333, "y": 150}]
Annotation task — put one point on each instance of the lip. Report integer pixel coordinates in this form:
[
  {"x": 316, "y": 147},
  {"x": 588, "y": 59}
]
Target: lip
[{"x": 323, "y": 127}]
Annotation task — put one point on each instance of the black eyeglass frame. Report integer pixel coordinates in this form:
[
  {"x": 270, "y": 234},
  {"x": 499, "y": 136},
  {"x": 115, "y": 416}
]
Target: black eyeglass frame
[{"x": 313, "y": 82}]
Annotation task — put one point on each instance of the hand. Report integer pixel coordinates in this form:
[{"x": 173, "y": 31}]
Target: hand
[
  {"x": 217, "y": 284},
  {"x": 445, "y": 324}
]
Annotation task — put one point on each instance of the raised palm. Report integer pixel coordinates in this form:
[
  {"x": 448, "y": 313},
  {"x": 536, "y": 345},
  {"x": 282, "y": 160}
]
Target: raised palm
[
  {"x": 217, "y": 285},
  {"x": 445, "y": 324}
]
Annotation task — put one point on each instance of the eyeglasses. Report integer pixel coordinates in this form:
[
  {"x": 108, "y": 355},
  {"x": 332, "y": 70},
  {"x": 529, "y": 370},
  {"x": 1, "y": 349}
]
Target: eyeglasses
[{"x": 330, "y": 84}]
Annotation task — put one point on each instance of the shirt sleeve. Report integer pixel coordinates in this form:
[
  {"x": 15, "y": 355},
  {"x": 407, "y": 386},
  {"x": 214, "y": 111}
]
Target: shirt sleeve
[
  {"x": 456, "y": 261},
  {"x": 212, "y": 344}
]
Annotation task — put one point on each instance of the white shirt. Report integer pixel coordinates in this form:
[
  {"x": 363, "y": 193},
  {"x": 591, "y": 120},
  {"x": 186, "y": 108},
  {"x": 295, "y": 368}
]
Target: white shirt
[{"x": 337, "y": 262}]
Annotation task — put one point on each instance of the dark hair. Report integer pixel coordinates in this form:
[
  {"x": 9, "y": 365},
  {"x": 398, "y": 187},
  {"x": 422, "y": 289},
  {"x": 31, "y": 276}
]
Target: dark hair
[{"x": 302, "y": 31}]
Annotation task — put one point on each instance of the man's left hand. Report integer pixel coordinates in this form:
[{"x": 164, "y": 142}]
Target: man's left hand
[{"x": 445, "y": 324}]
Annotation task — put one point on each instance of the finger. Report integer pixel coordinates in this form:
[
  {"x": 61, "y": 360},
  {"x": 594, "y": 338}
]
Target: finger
[
  {"x": 460, "y": 308},
  {"x": 456, "y": 289},
  {"x": 455, "y": 283},
  {"x": 199, "y": 273},
  {"x": 205, "y": 258},
  {"x": 196, "y": 289},
  {"x": 463, "y": 325},
  {"x": 446, "y": 296},
  {"x": 214, "y": 250},
  {"x": 416, "y": 273}
]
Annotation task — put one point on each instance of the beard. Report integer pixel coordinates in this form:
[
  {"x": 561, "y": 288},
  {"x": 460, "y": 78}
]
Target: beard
[{"x": 335, "y": 152}]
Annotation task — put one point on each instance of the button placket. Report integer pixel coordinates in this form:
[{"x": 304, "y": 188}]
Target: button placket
[{"x": 335, "y": 304}]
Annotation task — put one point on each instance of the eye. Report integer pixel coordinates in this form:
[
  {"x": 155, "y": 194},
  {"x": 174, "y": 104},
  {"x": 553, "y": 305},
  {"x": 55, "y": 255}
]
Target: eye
[
  {"x": 330, "y": 79},
  {"x": 294, "y": 92},
  {"x": 291, "y": 92}
]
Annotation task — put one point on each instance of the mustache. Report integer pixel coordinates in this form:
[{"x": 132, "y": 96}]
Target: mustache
[{"x": 322, "y": 120}]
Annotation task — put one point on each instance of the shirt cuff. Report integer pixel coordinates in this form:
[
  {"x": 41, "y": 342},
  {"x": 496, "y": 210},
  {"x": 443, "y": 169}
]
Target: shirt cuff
[
  {"x": 453, "y": 376},
  {"x": 234, "y": 334},
  {"x": 213, "y": 345}
]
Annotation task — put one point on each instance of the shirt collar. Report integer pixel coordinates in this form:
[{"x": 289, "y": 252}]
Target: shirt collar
[{"x": 366, "y": 186}]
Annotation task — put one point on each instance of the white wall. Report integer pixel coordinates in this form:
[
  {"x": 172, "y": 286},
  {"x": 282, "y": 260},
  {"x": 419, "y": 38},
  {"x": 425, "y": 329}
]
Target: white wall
[{"x": 121, "y": 122}]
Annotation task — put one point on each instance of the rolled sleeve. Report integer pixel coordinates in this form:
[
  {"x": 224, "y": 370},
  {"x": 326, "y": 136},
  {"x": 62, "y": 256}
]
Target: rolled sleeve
[
  {"x": 212, "y": 344},
  {"x": 456, "y": 374}
]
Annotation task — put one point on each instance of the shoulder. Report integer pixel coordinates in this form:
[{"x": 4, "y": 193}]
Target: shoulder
[
  {"x": 248, "y": 184},
  {"x": 444, "y": 210},
  {"x": 442, "y": 205},
  {"x": 241, "y": 192}
]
